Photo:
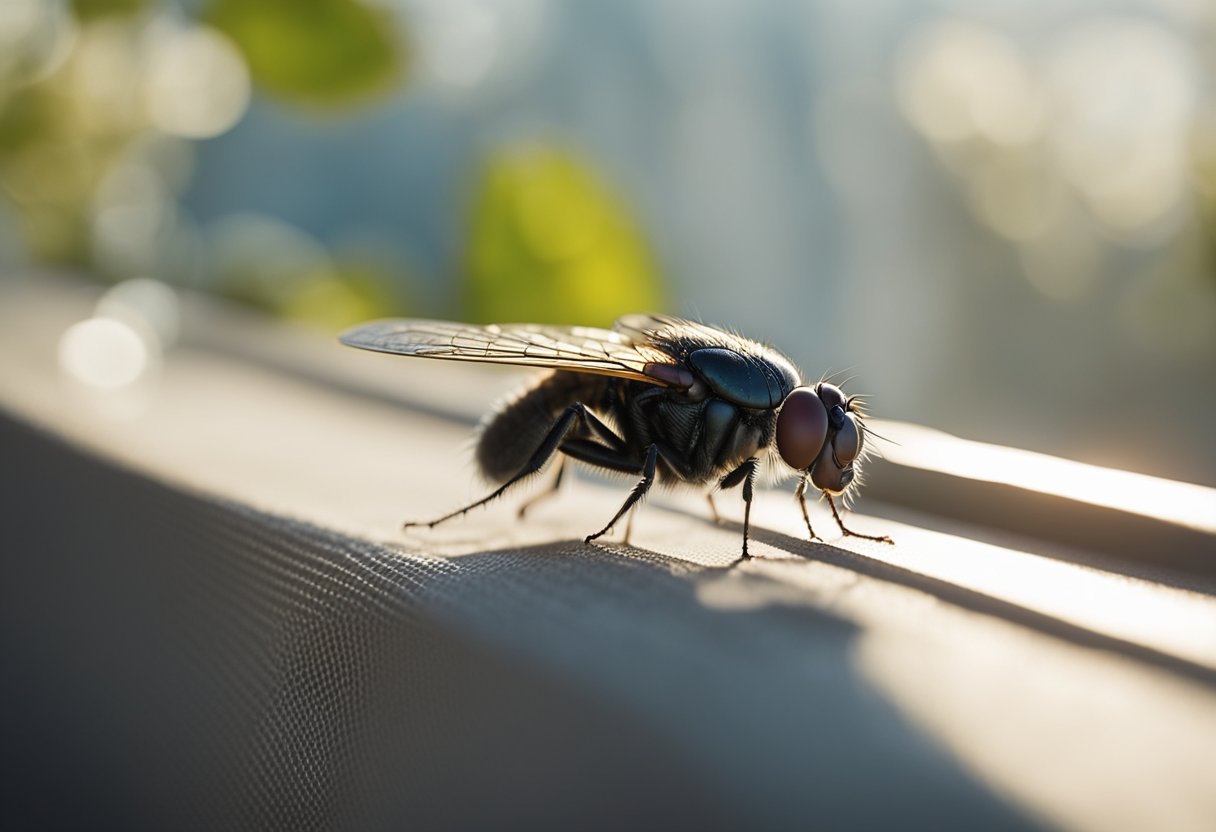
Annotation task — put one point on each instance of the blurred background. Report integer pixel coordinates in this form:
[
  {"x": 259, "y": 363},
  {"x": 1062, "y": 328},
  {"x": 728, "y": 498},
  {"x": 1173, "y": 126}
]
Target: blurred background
[{"x": 998, "y": 215}]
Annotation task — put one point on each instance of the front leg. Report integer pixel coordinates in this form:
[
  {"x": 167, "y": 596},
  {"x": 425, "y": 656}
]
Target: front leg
[
  {"x": 638, "y": 492},
  {"x": 746, "y": 474},
  {"x": 800, "y": 495},
  {"x": 849, "y": 532}
]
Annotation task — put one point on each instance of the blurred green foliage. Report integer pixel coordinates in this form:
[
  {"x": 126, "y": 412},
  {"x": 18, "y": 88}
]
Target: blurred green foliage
[
  {"x": 66, "y": 125},
  {"x": 270, "y": 265},
  {"x": 332, "y": 297},
  {"x": 92, "y": 9},
  {"x": 50, "y": 165},
  {"x": 95, "y": 178},
  {"x": 549, "y": 242},
  {"x": 319, "y": 52}
]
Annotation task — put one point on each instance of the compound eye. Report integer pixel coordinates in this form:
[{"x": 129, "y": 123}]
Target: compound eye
[
  {"x": 846, "y": 445},
  {"x": 826, "y": 476},
  {"x": 802, "y": 427}
]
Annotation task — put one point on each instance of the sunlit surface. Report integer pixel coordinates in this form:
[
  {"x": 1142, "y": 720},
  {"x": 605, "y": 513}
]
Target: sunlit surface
[
  {"x": 1186, "y": 504},
  {"x": 103, "y": 353},
  {"x": 197, "y": 85},
  {"x": 1073, "y": 732},
  {"x": 1084, "y": 741},
  {"x": 1026, "y": 712}
]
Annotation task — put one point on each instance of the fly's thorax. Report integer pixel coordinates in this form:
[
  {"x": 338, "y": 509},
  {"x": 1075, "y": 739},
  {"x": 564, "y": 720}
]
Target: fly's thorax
[{"x": 753, "y": 381}]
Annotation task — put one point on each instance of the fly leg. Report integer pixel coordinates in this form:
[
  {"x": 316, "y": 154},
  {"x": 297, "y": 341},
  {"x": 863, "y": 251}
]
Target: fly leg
[
  {"x": 849, "y": 533},
  {"x": 746, "y": 474},
  {"x": 575, "y": 413},
  {"x": 547, "y": 493},
  {"x": 713, "y": 509},
  {"x": 800, "y": 493},
  {"x": 638, "y": 492}
]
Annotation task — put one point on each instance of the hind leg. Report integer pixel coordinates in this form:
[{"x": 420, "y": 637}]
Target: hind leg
[
  {"x": 547, "y": 493},
  {"x": 575, "y": 414}
]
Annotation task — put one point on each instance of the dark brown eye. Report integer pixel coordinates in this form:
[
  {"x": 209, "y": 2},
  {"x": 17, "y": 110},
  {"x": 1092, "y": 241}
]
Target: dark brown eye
[
  {"x": 802, "y": 427},
  {"x": 826, "y": 476},
  {"x": 846, "y": 445}
]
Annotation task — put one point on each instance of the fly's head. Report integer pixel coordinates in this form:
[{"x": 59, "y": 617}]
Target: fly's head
[{"x": 819, "y": 432}]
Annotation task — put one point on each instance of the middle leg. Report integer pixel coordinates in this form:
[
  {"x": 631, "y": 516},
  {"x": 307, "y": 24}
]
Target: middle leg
[
  {"x": 638, "y": 492},
  {"x": 746, "y": 474}
]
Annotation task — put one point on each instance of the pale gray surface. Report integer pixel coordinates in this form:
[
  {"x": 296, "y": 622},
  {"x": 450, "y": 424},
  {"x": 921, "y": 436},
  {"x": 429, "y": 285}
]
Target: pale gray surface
[{"x": 267, "y": 646}]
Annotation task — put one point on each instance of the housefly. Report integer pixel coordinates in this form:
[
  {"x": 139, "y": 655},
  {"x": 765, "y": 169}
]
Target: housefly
[{"x": 656, "y": 397}]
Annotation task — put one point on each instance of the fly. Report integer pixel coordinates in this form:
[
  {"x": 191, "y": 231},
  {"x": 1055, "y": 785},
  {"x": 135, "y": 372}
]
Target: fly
[{"x": 656, "y": 397}]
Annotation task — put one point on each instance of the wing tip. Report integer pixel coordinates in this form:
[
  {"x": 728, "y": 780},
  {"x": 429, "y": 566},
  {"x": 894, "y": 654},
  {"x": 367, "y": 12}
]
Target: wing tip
[{"x": 361, "y": 335}]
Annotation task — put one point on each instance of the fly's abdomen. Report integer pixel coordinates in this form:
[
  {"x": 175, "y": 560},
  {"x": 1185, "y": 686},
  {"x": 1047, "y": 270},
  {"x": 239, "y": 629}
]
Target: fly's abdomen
[{"x": 516, "y": 429}]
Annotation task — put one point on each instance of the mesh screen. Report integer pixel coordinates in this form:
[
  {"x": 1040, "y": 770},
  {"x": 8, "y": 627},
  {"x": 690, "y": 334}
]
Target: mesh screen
[{"x": 173, "y": 661}]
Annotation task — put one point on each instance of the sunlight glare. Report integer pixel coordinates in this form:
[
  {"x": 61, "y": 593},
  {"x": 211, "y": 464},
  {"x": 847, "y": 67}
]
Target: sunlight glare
[{"x": 1185, "y": 504}]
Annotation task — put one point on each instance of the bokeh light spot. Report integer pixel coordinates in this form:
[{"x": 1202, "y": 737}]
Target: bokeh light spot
[
  {"x": 1125, "y": 96},
  {"x": 959, "y": 81},
  {"x": 144, "y": 304},
  {"x": 197, "y": 85},
  {"x": 103, "y": 353}
]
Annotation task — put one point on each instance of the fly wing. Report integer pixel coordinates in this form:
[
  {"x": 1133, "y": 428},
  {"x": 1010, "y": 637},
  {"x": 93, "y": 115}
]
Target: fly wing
[{"x": 582, "y": 349}]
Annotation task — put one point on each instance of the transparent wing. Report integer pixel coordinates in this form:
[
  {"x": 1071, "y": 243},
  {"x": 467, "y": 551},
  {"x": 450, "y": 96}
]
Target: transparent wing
[{"x": 584, "y": 349}]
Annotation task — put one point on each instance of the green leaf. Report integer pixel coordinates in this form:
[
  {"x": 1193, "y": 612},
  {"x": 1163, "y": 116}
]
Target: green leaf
[
  {"x": 315, "y": 52},
  {"x": 550, "y": 243},
  {"x": 92, "y": 9}
]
